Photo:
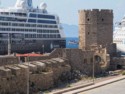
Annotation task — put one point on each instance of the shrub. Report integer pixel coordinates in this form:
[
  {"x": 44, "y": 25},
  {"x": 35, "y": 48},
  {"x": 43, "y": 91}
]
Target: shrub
[{"x": 123, "y": 73}]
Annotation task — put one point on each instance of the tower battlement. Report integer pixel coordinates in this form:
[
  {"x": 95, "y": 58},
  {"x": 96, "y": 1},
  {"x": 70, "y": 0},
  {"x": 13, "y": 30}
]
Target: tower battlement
[{"x": 96, "y": 10}]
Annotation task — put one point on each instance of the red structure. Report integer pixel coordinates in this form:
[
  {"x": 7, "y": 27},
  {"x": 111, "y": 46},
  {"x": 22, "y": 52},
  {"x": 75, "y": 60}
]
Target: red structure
[{"x": 28, "y": 54}]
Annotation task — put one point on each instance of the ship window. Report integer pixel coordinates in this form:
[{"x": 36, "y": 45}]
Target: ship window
[
  {"x": 13, "y": 29},
  {"x": 33, "y": 25},
  {"x": 39, "y": 25},
  {"x": 17, "y": 19},
  {"x": 40, "y": 36},
  {"x": 18, "y": 14},
  {"x": 33, "y": 36},
  {"x": 27, "y": 25},
  {"x": 53, "y": 31},
  {"x": 7, "y": 19},
  {"x": 54, "y": 36},
  {"x": 5, "y": 13},
  {"x": 34, "y": 30},
  {"x": 43, "y": 26},
  {"x": 46, "y": 21},
  {"x": 44, "y": 36},
  {"x": 39, "y": 31},
  {"x": 26, "y": 35},
  {"x": 32, "y": 20},
  {"x": 33, "y": 15},
  {"x": 14, "y": 24},
  {"x": 46, "y": 16},
  {"x": 4, "y": 24},
  {"x": 21, "y": 24},
  {"x": 51, "y": 36},
  {"x": 57, "y": 31},
  {"x": 47, "y": 31},
  {"x": 58, "y": 36},
  {"x": 43, "y": 31},
  {"x": 47, "y": 36}
]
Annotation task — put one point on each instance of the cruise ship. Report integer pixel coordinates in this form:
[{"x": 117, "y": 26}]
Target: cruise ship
[
  {"x": 25, "y": 29},
  {"x": 119, "y": 36}
]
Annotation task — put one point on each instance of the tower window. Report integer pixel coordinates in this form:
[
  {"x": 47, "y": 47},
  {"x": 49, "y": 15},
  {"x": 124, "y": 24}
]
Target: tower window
[
  {"x": 102, "y": 19},
  {"x": 88, "y": 19}
]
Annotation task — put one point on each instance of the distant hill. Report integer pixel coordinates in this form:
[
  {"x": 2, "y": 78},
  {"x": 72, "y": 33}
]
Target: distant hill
[{"x": 70, "y": 30}]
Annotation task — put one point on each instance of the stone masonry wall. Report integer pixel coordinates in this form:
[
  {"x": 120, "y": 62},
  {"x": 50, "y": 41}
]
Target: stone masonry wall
[
  {"x": 84, "y": 60},
  {"x": 8, "y": 60},
  {"x": 54, "y": 54},
  {"x": 46, "y": 73},
  {"x": 117, "y": 62},
  {"x": 42, "y": 75}
]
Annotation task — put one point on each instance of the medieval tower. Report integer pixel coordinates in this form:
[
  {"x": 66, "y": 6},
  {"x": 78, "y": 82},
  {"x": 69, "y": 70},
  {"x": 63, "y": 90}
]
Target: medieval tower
[{"x": 95, "y": 28}]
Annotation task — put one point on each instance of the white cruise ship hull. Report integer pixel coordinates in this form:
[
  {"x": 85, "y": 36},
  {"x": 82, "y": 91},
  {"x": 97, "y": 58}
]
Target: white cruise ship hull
[
  {"x": 25, "y": 29},
  {"x": 42, "y": 46},
  {"x": 121, "y": 48},
  {"x": 119, "y": 36}
]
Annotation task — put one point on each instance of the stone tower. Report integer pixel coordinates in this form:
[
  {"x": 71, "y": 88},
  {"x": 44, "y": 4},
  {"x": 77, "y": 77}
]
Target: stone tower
[{"x": 95, "y": 28}]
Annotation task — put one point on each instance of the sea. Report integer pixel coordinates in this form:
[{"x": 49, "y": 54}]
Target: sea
[{"x": 72, "y": 42}]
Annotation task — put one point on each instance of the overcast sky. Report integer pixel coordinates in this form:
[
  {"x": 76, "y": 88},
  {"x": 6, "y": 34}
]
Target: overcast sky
[{"x": 68, "y": 9}]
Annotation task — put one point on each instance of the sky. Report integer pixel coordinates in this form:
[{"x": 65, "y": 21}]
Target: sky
[{"x": 67, "y": 10}]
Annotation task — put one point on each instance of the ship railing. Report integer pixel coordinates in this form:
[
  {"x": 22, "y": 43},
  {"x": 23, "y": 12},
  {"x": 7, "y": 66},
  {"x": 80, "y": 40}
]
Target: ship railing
[{"x": 14, "y": 15}]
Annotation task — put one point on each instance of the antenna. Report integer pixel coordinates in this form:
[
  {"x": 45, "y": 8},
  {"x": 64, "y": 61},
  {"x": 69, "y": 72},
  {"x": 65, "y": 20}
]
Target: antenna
[
  {"x": 9, "y": 43},
  {"x": 29, "y": 3}
]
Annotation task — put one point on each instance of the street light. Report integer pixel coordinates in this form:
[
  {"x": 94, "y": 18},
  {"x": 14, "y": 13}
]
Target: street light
[
  {"x": 28, "y": 74},
  {"x": 93, "y": 69},
  {"x": 9, "y": 44},
  {"x": 43, "y": 48}
]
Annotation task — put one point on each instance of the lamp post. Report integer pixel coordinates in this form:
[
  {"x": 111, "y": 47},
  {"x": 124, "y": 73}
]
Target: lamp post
[
  {"x": 93, "y": 69},
  {"x": 28, "y": 75},
  {"x": 43, "y": 48},
  {"x": 9, "y": 44}
]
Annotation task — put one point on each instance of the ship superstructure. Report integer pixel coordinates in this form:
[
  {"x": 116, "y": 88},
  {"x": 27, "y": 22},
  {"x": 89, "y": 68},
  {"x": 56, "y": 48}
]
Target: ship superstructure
[
  {"x": 27, "y": 29},
  {"x": 119, "y": 36}
]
